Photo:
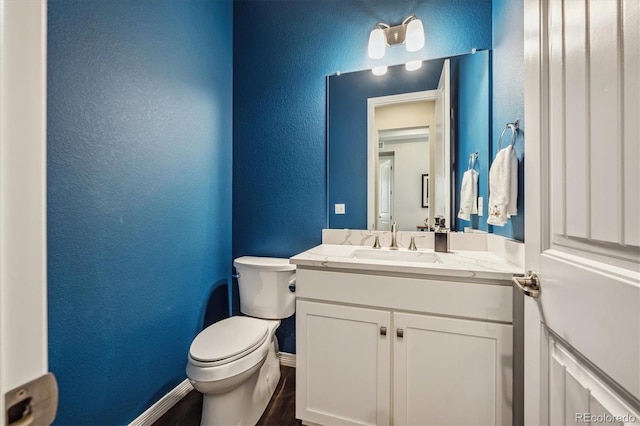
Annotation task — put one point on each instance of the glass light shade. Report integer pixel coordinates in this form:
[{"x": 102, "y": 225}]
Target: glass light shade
[
  {"x": 381, "y": 70},
  {"x": 414, "y": 39},
  {"x": 377, "y": 43},
  {"x": 413, "y": 65}
]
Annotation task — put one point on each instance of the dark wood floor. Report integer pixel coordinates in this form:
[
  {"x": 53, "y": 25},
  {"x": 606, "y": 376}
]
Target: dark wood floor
[{"x": 281, "y": 410}]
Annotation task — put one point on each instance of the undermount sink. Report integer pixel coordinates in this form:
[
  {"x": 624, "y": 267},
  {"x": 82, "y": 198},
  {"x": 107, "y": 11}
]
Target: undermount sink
[{"x": 397, "y": 255}]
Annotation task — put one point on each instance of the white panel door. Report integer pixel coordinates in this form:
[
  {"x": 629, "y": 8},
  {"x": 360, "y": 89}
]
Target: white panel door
[
  {"x": 451, "y": 371},
  {"x": 582, "y": 92},
  {"x": 343, "y": 371},
  {"x": 23, "y": 271}
]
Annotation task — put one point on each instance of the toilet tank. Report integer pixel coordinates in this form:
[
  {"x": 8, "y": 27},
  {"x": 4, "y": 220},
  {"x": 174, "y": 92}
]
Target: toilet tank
[{"x": 264, "y": 286}]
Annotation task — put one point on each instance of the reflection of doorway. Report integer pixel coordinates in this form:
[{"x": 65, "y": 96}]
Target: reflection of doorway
[
  {"x": 438, "y": 156},
  {"x": 385, "y": 194}
]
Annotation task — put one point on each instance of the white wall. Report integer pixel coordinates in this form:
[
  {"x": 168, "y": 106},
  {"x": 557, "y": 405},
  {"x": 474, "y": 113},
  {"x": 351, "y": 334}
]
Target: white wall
[
  {"x": 411, "y": 159},
  {"x": 413, "y": 156}
]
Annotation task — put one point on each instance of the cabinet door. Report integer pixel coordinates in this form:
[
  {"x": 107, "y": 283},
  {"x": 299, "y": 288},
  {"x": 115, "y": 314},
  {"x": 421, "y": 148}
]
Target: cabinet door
[
  {"x": 451, "y": 371},
  {"x": 343, "y": 364}
]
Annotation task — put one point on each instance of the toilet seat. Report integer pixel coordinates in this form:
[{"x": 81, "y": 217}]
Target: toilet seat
[
  {"x": 222, "y": 369},
  {"x": 228, "y": 340}
]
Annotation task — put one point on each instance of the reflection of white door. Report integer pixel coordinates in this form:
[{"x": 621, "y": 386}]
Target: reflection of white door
[
  {"x": 582, "y": 335},
  {"x": 385, "y": 195}
]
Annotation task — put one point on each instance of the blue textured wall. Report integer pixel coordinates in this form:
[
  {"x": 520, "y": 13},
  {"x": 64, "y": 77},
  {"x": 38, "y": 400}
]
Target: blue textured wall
[
  {"x": 283, "y": 50},
  {"x": 139, "y": 195},
  {"x": 508, "y": 94},
  {"x": 473, "y": 124}
]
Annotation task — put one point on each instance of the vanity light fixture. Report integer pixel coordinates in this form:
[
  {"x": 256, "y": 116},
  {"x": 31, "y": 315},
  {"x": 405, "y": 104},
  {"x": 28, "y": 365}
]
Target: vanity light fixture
[{"x": 410, "y": 33}]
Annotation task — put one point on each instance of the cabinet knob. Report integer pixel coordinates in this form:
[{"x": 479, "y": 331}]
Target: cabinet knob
[
  {"x": 400, "y": 332},
  {"x": 383, "y": 330}
]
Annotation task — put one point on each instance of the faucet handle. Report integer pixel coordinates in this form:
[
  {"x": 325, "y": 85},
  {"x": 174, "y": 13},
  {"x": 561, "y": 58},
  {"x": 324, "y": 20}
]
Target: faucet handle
[
  {"x": 376, "y": 241},
  {"x": 412, "y": 245}
]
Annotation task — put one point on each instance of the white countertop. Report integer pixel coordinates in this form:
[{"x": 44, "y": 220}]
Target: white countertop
[{"x": 455, "y": 264}]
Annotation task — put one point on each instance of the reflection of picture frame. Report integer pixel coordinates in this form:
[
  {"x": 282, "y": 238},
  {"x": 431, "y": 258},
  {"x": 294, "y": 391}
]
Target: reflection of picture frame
[{"x": 425, "y": 191}]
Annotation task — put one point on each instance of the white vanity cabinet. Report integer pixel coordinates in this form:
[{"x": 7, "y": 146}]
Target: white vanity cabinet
[
  {"x": 344, "y": 376},
  {"x": 449, "y": 371},
  {"x": 402, "y": 350}
]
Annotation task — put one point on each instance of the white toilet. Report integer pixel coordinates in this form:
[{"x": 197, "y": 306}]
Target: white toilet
[{"x": 234, "y": 362}]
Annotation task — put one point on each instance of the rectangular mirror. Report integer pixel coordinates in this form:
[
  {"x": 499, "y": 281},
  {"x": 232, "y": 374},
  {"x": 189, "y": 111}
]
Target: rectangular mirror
[{"x": 399, "y": 143}]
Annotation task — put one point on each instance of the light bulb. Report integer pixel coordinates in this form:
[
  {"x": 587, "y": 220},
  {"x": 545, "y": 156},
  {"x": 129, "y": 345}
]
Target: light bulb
[
  {"x": 414, "y": 40},
  {"x": 377, "y": 43},
  {"x": 381, "y": 70},
  {"x": 413, "y": 65}
]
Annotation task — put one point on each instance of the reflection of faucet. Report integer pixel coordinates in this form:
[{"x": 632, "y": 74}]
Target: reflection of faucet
[{"x": 394, "y": 232}]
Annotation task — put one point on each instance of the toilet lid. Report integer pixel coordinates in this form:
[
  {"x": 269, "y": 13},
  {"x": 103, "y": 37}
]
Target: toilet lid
[{"x": 227, "y": 338}]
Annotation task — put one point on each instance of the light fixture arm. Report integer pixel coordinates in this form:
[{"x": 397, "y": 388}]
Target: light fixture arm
[
  {"x": 409, "y": 19},
  {"x": 382, "y": 25}
]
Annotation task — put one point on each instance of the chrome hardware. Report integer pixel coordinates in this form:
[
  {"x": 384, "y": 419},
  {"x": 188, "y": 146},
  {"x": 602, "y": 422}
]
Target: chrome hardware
[
  {"x": 236, "y": 275},
  {"x": 528, "y": 284},
  {"x": 515, "y": 126},
  {"x": 292, "y": 285},
  {"x": 394, "y": 233},
  {"x": 376, "y": 241},
  {"x": 383, "y": 330},
  {"x": 400, "y": 332},
  {"x": 412, "y": 245}
]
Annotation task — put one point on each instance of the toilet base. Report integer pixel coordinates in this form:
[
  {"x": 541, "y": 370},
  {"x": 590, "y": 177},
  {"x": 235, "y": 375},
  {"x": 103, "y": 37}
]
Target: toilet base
[{"x": 245, "y": 404}]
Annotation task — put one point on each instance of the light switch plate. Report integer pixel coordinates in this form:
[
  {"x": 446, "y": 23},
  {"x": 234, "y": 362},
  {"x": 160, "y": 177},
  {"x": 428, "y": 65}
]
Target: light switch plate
[
  {"x": 340, "y": 208},
  {"x": 480, "y": 206}
]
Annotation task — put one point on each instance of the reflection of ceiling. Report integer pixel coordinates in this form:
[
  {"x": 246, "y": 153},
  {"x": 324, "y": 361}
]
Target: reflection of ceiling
[{"x": 404, "y": 135}]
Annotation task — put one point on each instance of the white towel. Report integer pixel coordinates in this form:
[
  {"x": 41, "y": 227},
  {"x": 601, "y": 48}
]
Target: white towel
[
  {"x": 468, "y": 195},
  {"x": 503, "y": 187}
]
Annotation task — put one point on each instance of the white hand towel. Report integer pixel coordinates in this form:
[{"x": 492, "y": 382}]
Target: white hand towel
[
  {"x": 503, "y": 187},
  {"x": 468, "y": 195}
]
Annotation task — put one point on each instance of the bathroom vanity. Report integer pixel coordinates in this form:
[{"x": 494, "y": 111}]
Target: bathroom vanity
[{"x": 403, "y": 337}]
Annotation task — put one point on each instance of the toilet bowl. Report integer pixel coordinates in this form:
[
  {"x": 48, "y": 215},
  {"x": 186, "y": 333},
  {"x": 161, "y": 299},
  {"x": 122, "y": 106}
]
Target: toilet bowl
[{"x": 234, "y": 362}]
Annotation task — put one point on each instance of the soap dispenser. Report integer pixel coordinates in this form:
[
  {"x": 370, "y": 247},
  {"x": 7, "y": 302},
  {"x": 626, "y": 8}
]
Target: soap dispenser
[{"x": 441, "y": 237}]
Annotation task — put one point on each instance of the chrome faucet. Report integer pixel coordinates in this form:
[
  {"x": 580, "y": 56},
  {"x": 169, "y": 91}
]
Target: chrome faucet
[
  {"x": 394, "y": 232},
  {"x": 413, "y": 246}
]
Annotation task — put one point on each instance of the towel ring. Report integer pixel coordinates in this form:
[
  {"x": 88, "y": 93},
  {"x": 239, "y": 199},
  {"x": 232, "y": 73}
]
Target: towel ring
[
  {"x": 514, "y": 129},
  {"x": 472, "y": 160}
]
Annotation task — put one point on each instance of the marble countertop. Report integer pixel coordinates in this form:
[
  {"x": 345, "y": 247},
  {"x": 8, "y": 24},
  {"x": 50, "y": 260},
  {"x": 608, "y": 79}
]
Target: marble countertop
[{"x": 364, "y": 259}]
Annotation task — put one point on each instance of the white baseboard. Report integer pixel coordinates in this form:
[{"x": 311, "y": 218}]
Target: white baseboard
[
  {"x": 287, "y": 359},
  {"x": 165, "y": 403}
]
